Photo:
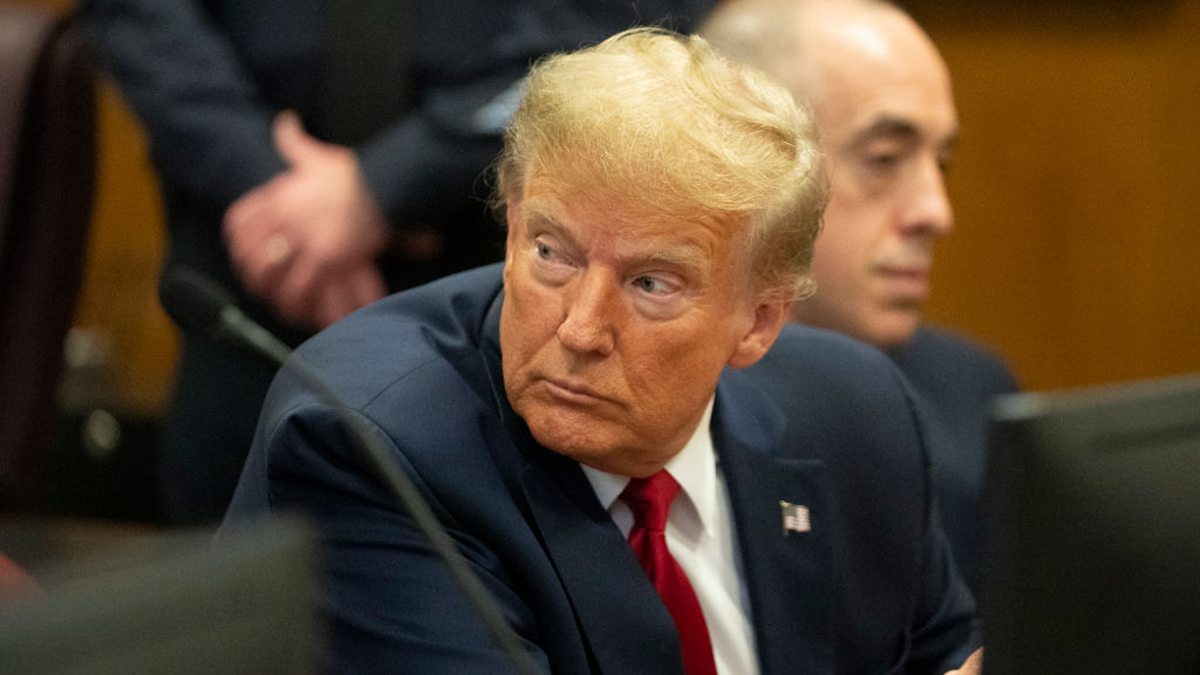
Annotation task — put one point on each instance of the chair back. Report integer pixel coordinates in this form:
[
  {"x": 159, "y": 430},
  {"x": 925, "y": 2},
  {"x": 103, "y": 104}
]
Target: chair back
[{"x": 47, "y": 170}]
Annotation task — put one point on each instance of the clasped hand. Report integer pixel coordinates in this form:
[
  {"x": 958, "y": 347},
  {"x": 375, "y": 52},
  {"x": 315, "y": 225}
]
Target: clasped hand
[{"x": 306, "y": 241}]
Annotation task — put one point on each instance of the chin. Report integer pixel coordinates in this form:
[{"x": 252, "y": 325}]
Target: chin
[
  {"x": 599, "y": 444},
  {"x": 894, "y": 332},
  {"x": 579, "y": 439}
]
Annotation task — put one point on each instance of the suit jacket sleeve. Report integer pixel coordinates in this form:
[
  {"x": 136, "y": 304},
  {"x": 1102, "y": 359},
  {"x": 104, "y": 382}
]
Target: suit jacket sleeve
[
  {"x": 207, "y": 122},
  {"x": 945, "y": 630},
  {"x": 436, "y": 149},
  {"x": 945, "y": 612},
  {"x": 207, "y": 78},
  {"x": 472, "y": 57},
  {"x": 391, "y": 604},
  {"x": 187, "y": 74}
]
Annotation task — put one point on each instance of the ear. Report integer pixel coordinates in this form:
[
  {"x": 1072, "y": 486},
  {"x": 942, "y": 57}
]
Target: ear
[{"x": 769, "y": 318}]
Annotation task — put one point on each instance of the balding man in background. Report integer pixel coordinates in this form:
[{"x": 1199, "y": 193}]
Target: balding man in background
[{"x": 882, "y": 99}]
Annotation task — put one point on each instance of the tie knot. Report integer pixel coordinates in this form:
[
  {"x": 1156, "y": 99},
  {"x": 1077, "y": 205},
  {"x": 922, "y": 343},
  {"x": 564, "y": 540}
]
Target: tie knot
[{"x": 650, "y": 499}]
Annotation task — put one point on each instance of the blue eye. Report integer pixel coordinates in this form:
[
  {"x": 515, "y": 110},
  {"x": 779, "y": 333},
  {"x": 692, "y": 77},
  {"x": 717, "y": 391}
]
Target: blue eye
[
  {"x": 549, "y": 263},
  {"x": 651, "y": 285},
  {"x": 647, "y": 284}
]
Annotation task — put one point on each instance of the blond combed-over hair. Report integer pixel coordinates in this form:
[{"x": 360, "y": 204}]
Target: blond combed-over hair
[{"x": 661, "y": 123}]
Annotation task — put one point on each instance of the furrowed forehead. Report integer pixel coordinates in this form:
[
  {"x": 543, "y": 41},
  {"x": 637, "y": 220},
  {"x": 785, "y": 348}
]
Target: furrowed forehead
[{"x": 637, "y": 235}]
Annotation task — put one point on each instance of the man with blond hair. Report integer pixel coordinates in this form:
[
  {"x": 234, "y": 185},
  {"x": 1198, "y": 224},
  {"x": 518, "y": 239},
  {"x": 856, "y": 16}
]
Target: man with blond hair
[
  {"x": 882, "y": 98},
  {"x": 649, "y": 469}
]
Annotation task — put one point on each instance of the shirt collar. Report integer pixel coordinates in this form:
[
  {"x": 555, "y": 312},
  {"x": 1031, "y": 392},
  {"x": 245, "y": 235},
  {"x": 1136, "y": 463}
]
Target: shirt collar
[{"x": 694, "y": 468}]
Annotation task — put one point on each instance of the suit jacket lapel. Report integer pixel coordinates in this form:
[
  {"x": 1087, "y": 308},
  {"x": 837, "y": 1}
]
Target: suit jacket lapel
[
  {"x": 787, "y": 573},
  {"x": 627, "y": 628},
  {"x": 624, "y": 622}
]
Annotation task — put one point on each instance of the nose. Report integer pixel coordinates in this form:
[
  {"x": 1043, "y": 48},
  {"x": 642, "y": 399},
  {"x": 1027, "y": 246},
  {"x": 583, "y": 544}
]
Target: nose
[
  {"x": 589, "y": 310},
  {"x": 928, "y": 209}
]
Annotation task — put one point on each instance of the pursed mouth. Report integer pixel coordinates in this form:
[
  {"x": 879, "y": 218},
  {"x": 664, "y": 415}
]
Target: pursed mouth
[
  {"x": 916, "y": 271},
  {"x": 908, "y": 281},
  {"x": 574, "y": 392}
]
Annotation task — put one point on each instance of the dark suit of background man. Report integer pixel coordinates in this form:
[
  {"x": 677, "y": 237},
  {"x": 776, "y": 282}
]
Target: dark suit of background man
[
  {"x": 882, "y": 98},
  {"x": 661, "y": 206},
  {"x": 371, "y": 187}
]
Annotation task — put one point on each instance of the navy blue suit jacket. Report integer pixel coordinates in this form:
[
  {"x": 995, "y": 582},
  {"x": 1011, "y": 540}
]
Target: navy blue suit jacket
[
  {"x": 822, "y": 421},
  {"x": 959, "y": 379}
]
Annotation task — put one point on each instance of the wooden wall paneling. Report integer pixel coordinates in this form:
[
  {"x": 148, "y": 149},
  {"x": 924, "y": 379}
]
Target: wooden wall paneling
[{"x": 1075, "y": 189}]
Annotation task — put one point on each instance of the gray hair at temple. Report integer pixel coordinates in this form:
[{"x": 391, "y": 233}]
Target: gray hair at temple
[{"x": 660, "y": 123}]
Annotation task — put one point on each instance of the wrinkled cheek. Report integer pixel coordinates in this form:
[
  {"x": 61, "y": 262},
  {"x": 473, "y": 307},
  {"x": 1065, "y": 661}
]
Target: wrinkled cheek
[
  {"x": 524, "y": 395},
  {"x": 532, "y": 311},
  {"x": 568, "y": 432}
]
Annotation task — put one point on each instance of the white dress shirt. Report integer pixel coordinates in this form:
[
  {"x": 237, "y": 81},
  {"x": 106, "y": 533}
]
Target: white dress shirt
[{"x": 702, "y": 539}]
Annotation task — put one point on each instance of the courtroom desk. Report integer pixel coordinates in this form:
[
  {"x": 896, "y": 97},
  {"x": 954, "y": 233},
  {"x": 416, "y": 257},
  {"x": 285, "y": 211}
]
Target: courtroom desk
[{"x": 49, "y": 545}]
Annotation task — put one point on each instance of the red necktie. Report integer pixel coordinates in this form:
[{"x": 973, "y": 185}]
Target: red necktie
[{"x": 650, "y": 500}]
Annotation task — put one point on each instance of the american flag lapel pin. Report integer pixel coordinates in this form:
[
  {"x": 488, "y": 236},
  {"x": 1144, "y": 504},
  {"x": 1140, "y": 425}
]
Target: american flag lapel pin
[{"x": 795, "y": 518}]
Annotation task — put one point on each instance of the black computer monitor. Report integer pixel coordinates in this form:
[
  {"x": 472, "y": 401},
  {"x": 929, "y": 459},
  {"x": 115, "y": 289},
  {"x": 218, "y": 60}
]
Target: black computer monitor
[
  {"x": 1093, "y": 532},
  {"x": 173, "y": 604}
]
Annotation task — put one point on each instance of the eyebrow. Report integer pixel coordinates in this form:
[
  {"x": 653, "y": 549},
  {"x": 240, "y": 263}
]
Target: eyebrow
[
  {"x": 546, "y": 219},
  {"x": 890, "y": 126},
  {"x": 687, "y": 257},
  {"x": 887, "y": 126},
  {"x": 537, "y": 207}
]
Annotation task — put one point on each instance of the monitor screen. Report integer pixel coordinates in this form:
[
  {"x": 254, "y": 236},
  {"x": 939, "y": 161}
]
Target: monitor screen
[
  {"x": 175, "y": 604},
  {"x": 1093, "y": 531}
]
